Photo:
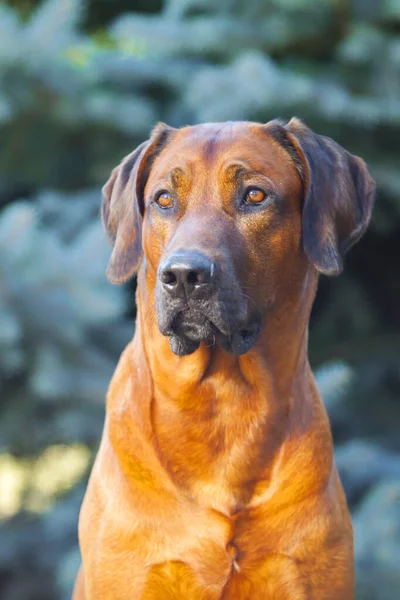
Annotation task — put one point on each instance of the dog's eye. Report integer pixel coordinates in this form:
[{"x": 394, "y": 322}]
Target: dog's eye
[
  {"x": 254, "y": 196},
  {"x": 165, "y": 200}
]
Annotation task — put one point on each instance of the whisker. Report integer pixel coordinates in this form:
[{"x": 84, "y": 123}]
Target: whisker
[
  {"x": 212, "y": 344},
  {"x": 151, "y": 314},
  {"x": 248, "y": 287},
  {"x": 252, "y": 301}
]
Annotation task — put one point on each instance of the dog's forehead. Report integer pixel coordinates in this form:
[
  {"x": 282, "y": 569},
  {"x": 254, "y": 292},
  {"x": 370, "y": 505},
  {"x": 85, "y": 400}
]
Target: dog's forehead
[
  {"x": 214, "y": 137},
  {"x": 215, "y": 144}
]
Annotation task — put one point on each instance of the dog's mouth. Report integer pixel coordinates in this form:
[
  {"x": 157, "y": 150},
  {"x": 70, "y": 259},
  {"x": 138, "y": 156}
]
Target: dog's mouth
[{"x": 186, "y": 334}]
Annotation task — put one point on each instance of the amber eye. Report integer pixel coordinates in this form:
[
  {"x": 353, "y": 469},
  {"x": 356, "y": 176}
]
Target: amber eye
[
  {"x": 165, "y": 200},
  {"x": 254, "y": 196}
]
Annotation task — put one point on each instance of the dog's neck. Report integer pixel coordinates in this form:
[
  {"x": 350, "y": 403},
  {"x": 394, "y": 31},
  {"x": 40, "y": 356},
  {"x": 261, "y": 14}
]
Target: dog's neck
[{"x": 219, "y": 421}]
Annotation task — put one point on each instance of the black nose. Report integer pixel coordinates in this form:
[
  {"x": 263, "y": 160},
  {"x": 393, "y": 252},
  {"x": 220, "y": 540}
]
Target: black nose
[{"x": 186, "y": 273}]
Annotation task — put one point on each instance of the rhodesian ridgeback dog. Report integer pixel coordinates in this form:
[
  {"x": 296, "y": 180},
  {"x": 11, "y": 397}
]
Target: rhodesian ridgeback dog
[{"x": 215, "y": 476}]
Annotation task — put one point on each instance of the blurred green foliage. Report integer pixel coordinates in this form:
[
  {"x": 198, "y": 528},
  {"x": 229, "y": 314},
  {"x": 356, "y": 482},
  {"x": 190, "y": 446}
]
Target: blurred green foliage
[{"x": 72, "y": 103}]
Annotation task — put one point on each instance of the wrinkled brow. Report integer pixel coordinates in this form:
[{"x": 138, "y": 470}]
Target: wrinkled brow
[
  {"x": 177, "y": 176},
  {"x": 239, "y": 170},
  {"x": 181, "y": 178}
]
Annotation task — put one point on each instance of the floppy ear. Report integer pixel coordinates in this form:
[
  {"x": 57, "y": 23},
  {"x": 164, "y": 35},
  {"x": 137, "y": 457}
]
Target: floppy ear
[
  {"x": 338, "y": 194},
  {"x": 122, "y": 208}
]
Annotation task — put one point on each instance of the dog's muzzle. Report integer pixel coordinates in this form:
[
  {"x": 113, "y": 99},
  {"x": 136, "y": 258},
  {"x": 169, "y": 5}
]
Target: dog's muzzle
[{"x": 195, "y": 304}]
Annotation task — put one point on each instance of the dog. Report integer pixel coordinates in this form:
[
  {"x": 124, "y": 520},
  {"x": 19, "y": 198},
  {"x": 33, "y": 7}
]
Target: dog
[{"x": 215, "y": 477}]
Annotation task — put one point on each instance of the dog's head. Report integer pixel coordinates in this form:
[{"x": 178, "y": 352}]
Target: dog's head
[{"x": 226, "y": 218}]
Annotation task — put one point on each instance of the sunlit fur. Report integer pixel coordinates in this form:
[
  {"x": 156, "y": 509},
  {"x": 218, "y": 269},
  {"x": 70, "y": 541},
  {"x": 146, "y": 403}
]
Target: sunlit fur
[{"x": 215, "y": 478}]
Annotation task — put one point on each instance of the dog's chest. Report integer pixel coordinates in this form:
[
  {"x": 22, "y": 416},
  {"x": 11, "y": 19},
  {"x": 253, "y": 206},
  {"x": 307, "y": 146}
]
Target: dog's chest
[{"x": 215, "y": 458}]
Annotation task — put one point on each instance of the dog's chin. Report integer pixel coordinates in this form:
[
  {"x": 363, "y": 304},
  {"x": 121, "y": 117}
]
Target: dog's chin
[
  {"x": 185, "y": 335},
  {"x": 184, "y": 339},
  {"x": 182, "y": 346}
]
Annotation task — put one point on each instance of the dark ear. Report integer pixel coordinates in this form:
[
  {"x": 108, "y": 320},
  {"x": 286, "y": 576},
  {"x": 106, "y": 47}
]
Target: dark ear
[
  {"x": 338, "y": 194},
  {"x": 122, "y": 208}
]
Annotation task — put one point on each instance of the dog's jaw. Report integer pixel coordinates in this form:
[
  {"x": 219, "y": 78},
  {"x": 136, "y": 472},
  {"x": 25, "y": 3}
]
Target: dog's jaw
[{"x": 185, "y": 335}]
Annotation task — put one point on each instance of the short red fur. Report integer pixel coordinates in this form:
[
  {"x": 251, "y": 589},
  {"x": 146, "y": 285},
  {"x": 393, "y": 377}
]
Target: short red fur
[{"x": 215, "y": 477}]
